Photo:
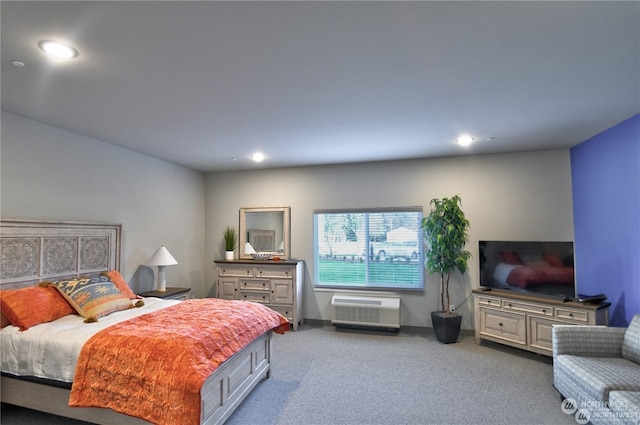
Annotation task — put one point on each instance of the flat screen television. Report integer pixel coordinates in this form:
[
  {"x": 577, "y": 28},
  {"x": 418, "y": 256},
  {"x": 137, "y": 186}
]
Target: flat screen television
[{"x": 543, "y": 268}]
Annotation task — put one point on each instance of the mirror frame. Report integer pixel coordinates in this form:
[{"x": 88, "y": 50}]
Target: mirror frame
[{"x": 286, "y": 228}]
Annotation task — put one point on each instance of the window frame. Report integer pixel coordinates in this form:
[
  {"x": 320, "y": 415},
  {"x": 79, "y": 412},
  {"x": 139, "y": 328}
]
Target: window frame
[{"x": 417, "y": 285}]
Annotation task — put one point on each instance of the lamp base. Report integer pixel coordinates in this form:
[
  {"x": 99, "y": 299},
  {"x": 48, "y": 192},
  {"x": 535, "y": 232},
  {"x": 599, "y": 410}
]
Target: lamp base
[{"x": 162, "y": 279}]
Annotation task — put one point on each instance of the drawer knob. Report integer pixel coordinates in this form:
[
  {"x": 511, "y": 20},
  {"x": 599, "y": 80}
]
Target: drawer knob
[
  {"x": 544, "y": 310},
  {"x": 570, "y": 314},
  {"x": 500, "y": 324}
]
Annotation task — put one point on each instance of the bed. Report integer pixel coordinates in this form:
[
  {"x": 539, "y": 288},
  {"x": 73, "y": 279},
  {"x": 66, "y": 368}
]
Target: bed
[
  {"x": 220, "y": 377},
  {"x": 532, "y": 273}
]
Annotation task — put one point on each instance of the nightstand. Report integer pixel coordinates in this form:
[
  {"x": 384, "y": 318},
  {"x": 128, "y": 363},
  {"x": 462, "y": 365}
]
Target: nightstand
[{"x": 170, "y": 294}]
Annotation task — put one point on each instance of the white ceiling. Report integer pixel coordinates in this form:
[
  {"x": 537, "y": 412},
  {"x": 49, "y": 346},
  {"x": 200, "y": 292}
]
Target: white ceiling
[{"x": 201, "y": 83}]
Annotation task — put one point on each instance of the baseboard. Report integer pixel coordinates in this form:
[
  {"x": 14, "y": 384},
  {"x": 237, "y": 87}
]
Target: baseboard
[{"x": 407, "y": 329}]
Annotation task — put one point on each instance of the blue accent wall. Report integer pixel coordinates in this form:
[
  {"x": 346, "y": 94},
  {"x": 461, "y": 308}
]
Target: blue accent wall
[{"x": 605, "y": 173}]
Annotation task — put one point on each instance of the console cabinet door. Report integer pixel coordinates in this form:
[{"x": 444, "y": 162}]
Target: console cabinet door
[
  {"x": 504, "y": 325},
  {"x": 540, "y": 331}
]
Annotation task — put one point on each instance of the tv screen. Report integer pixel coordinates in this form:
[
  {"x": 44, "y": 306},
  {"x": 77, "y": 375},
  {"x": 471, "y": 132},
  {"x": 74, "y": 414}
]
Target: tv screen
[{"x": 544, "y": 268}]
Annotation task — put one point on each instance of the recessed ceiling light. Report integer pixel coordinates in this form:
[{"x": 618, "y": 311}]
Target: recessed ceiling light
[
  {"x": 19, "y": 64},
  {"x": 258, "y": 157},
  {"x": 57, "y": 49},
  {"x": 465, "y": 140}
]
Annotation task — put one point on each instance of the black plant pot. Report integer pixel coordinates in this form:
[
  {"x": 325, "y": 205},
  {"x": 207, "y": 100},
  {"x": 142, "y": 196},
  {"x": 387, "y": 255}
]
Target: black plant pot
[{"x": 446, "y": 327}]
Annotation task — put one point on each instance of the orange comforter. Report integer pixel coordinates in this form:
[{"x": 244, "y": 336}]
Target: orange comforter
[{"x": 153, "y": 366}]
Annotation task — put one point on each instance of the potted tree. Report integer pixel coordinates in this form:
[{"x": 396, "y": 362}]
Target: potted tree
[
  {"x": 446, "y": 232},
  {"x": 229, "y": 242}
]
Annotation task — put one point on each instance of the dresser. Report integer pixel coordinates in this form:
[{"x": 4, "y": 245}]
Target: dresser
[
  {"x": 276, "y": 284},
  {"x": 525, "y": 321}
]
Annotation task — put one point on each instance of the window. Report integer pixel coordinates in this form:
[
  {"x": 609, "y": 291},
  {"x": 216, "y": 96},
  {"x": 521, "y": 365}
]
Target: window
[{"x": 377, "y": 249}]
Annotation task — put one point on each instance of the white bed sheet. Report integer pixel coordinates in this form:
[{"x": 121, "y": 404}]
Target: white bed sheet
[
  {"x": 502, "y": 271},
  {"x": 50, "y": 350}
]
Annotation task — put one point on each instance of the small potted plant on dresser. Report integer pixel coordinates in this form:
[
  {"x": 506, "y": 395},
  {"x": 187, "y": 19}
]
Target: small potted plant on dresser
[
  {"x": 446, "y": 232},
  {"x": 229, "y": 242}
]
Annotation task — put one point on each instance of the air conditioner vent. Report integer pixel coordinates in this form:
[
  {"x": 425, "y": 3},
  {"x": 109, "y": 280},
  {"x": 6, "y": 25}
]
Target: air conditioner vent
[{"x": 382, "y": 312}]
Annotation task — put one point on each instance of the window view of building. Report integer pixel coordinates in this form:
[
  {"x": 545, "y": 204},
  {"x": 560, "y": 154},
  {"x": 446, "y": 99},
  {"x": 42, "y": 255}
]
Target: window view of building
[{"x": 376, "y": 249}]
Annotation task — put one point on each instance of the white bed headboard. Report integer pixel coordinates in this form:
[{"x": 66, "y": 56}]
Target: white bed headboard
[{"x": 32, "y": 251}]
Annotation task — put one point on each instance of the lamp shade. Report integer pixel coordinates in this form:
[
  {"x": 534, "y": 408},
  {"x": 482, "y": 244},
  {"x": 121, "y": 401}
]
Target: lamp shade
[{"x": 162, "y": 257}]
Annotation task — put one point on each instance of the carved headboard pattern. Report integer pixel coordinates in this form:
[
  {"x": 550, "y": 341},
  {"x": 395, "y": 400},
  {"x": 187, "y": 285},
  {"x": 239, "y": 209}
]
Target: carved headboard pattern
[{"x": 33, "y": 251}]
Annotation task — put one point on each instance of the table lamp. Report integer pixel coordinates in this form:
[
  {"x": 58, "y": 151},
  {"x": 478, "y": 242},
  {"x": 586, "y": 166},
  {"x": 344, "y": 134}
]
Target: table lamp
[{"x": 162, "y": 258}]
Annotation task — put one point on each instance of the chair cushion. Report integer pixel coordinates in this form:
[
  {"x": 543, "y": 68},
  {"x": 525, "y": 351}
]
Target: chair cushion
[
  {"x": 625, "y": 402},
  {"x": 631, "y": 343},
  {"x": 598, "y": 376}
]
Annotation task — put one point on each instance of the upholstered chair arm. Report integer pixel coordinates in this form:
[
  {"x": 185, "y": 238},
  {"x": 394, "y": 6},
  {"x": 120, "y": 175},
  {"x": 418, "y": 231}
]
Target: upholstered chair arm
[{"x": 593, "y": 341}]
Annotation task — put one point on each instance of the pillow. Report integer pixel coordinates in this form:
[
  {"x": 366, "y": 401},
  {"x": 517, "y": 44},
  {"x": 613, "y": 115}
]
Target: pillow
[
  {"x": 631, "y": 342},
  {"x": 510, "y": 257},
  {"x": 533, "y": 260},
  {"x": 27, "y": 307},
  {"x": 115, "y": 277},
  {"x": 553, "y": 260},
  {"x": 93, "y": 298}
]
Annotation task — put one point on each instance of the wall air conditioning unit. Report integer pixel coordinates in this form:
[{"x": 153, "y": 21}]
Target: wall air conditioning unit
[{"x": 372, "y": 312}]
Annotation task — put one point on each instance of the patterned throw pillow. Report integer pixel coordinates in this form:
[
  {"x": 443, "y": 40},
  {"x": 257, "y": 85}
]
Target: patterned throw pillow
[
  {"x": 93, "y": 298},
  {"x": 27, "y": 307}
]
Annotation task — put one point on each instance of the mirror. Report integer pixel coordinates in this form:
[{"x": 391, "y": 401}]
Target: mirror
[{"x": 266, "y": 229}]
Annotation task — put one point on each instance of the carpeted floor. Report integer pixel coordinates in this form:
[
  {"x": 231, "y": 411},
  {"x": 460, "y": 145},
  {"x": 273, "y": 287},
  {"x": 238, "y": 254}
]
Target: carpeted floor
[{"x": 321, "y": 376}]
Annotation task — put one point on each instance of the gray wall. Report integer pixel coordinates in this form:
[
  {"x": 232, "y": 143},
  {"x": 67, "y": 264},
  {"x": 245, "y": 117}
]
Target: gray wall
[
  {"x": 48, "y": 173},
  {"x": 521, "y": 196}
]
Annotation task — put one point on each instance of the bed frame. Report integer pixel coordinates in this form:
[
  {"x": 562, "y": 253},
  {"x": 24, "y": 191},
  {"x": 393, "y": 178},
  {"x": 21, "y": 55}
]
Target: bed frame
[{"x": 32, "y": 251}]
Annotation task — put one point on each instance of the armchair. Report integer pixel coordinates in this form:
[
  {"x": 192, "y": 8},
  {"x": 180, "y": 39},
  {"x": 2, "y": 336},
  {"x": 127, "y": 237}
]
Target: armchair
[{"x": 597, "y": 369}]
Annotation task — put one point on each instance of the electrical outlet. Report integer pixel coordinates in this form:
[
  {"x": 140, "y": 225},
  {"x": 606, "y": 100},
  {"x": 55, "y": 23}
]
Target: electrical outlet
[{"x": 452, "y": 308}]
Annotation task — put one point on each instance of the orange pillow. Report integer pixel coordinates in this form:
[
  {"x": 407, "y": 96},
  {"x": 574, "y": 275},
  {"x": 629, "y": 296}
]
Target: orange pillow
[
  {"x": 553, "y": 260},
  {"x": 4, "y": 321},
  {"x": 115, "y": 277},
  {"x": 27, "y": 307},
  {"x": 510, "y": 257}
]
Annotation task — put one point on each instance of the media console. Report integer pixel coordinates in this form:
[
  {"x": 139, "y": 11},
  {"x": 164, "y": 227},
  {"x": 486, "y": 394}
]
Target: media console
[{"x": 525, "y": 321}]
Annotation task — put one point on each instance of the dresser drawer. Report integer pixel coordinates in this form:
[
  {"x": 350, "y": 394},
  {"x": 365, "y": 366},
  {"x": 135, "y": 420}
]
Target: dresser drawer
[
  {"x": 527, "y": 307},
  {"x": 274, "y": 271},
  {"x": 571, "y": 314},
  {"x": 254, "y": 285},
  {"x": 236, "y": 271},
  {"x": 489, "y": 301},
  {"x": 256, "y": 297},
  {"x": 285, "y": 311}
]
